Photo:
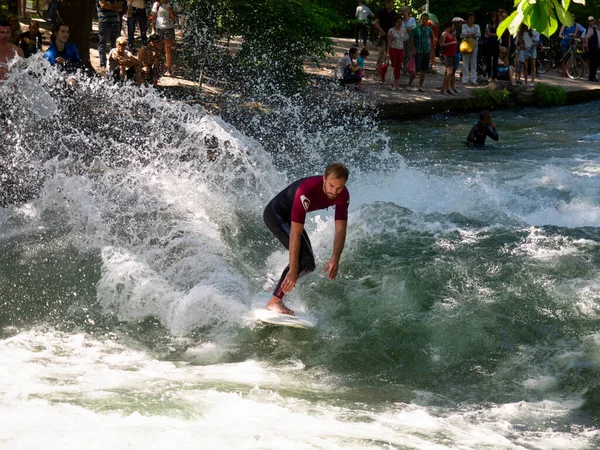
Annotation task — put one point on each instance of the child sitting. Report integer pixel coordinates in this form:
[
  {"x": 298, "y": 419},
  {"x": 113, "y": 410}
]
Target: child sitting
[
  {"x": 350, "y": 69},
  {"x": 505, "y": 70},
  {"x": 122, "y": 64},
  {"x": 361, "y": 61}
]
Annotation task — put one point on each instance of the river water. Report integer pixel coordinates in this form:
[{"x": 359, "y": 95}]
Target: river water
[{"x": 465, "y": 314}]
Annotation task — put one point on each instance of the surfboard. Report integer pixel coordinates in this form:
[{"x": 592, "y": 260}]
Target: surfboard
[{"x": 285, "y": 320}]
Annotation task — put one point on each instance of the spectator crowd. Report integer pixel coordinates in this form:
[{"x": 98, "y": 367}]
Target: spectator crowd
[
  {"x": 119, "y": 58},
  {"x": 473, "y": 53}
]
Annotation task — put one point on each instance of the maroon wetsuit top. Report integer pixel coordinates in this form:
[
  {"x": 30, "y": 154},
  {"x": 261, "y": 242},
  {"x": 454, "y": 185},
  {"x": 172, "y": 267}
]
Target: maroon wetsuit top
[{"x": 306, "y": 195}]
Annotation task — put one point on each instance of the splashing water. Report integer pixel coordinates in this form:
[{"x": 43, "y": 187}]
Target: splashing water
[{"x": 465, "y": 314}]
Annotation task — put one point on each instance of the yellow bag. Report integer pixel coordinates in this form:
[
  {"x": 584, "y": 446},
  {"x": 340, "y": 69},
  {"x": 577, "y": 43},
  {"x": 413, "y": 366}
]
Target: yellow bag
[{"x": 467, "y": 46}]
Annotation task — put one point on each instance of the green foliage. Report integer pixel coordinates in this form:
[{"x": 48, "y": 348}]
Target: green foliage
[
  {"x": 276, "y": 38},
  {"x": 493, "y": 97},
  {"x": 547, "y": 95},
  {"x": 541, "y": 15}
]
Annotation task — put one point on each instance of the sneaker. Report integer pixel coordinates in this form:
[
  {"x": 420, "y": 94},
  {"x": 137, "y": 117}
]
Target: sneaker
[
  {"x": 455, "y": 90},
  {"x": 421, "y": 89},
  {"x": 444, "y": 92}
]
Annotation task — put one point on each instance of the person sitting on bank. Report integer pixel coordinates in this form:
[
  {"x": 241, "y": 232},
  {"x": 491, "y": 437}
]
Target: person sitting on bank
[
  {"x": 152, "y": 59},
  {"x": 31, "y": 41},
  {"x": 482, "y": 129},
  {"x": 350, "y": 69},
  {"x": 62, "y": 53},
  {"x": 15, "y": 29},
  {"x": 122, "y": 65}
]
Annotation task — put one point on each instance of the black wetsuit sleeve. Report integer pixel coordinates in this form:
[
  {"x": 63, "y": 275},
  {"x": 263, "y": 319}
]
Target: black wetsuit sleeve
[
  {"x": 492, "y": 133},
  {"x": 478, "y": 134}
]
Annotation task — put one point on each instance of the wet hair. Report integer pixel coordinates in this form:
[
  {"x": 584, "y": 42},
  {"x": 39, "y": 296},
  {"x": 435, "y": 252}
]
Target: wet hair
[
  {"x": 338, "y": 170},
  {"x": 364, "y": 52},
  {"x": 484, "y": 115}
]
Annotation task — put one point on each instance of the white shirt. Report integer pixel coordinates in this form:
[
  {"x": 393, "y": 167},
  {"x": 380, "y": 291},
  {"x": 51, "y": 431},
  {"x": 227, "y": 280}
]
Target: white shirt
[
  {"x": 466, "y": 29},
  {"x": 163, "y": 17},
  {"x": 527, "y": 40},
  {"x": 112, "y": 58},
  {"x": 406, "y": 24},
  {"x": 397, "y": 38},
  {"x": 363, "y": 13},
  {"x": 590, "y": 32}
]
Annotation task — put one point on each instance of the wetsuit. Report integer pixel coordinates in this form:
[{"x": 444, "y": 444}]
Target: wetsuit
[
  {"x": 478, "y": 133},
  {"x": 291, "y": 205}
]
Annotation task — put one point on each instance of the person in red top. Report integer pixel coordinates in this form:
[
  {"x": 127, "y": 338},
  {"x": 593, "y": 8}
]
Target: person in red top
[
  {"x": 448, "y": 46},
  {"x": 285, "y": 216}
]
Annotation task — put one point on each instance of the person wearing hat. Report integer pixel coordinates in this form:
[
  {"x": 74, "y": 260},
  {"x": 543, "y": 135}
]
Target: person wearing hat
[{"x": 590, "y": 44}]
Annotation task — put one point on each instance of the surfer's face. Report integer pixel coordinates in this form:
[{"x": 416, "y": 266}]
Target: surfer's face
[{"x": 332, "y": 186}]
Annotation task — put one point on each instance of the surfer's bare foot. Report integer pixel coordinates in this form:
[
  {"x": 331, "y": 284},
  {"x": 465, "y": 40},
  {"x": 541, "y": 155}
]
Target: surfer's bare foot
[{"x": 276, "y": 305}]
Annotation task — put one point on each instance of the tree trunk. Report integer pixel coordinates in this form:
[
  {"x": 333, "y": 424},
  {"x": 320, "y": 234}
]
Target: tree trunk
[{"x": 78, "y": 15}]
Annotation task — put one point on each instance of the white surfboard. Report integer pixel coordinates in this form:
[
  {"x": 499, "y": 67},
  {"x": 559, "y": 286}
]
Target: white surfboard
[{"x": 273, "y": 318}]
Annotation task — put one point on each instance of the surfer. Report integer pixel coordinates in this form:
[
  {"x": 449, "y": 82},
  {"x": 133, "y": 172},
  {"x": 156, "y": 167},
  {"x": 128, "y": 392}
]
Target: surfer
[
  {"x": 285, "y": 215},
  {"x": 8, "y": 51},
  {"x": 485, "y": 127}
]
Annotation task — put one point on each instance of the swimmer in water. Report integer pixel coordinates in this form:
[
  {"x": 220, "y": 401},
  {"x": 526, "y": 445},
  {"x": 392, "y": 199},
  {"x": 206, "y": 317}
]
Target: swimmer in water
[{"x": 482, "y": 129}]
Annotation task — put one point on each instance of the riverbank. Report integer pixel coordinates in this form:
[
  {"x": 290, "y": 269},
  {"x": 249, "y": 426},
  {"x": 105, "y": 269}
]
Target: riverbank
[
  {"x": 400, "y": 104},
  {"x": 403, "y": 104}
]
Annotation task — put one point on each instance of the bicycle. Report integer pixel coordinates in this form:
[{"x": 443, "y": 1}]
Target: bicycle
[
  {"x": 548, "y": 59},
  {"x": 44, "y": 9}
]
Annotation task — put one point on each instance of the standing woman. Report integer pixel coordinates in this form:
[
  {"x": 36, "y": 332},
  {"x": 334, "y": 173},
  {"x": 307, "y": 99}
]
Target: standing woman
[
  {"x": 492, "y": 47},
  {"x": 163, "y": 24},
  {"x": 395, "y": 47},
  {"x": 449, "y": 50},
  {"x": 471, "y": 33}
]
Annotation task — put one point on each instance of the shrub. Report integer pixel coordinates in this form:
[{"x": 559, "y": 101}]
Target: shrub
[
  {"x": 547, "y": 95},
  {"x": 494, "y": 97}
]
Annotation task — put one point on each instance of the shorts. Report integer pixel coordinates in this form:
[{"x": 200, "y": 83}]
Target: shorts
[
  {"x": 530, "y": 53},
  {"x": 167, "y": 34},
  {"x": 450, "y": 61},
  {"x": 503, "y": 73},
  {"x": 422, "y": 62}
]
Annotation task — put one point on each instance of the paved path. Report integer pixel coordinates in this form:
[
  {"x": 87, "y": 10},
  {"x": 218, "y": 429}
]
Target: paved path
[
  {"x": 402, "y": 100},
  {"x": 393, "y": 104}
]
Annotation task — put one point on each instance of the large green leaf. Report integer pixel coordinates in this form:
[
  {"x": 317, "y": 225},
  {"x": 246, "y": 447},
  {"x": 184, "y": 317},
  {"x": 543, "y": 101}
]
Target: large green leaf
[{"x": 541, "y": 15}]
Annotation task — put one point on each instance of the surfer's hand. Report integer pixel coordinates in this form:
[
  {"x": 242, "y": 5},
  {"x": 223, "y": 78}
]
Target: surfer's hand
[
  {"x": 331, "y": 268},
  {"x": 290, "y": 281}
]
